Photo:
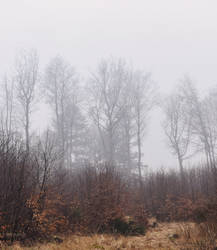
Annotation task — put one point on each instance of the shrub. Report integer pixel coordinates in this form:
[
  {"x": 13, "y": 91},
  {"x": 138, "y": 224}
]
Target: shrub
[{"x": 130, "y": 227}]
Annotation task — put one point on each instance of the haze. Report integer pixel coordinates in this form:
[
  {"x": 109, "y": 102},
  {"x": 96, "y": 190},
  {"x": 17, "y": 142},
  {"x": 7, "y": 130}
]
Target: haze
[{"x": 167, "y": 38}]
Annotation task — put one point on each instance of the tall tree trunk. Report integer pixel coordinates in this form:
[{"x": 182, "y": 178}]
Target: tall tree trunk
[
  {"x": 27, "y": 128},
  {"x": 139, "y": 148},
  {"x": 181, "y": 168},
  {"x": 111, "y": 146}
]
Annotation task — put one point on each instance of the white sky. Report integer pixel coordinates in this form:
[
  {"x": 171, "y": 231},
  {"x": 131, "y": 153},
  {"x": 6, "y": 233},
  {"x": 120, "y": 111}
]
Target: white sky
[{"x": 166, "y": 37}]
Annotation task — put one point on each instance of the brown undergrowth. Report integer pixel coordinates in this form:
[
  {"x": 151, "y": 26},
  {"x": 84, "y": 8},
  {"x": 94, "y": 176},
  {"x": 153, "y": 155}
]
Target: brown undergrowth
[{"x": 166, "y": 236}]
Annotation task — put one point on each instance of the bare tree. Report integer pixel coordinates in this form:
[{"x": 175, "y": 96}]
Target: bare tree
[
  {"x": 8, "y": 106},
  {"x": 120, "y": 103},
  {"x": 27, "y": 77},
  {"x": 46, "y": 158},
  {"x": 210, "y": 117},
  {"x": 127, "y": 155},
  {"x": 200, "y": 129},
  {"x": 177, "y": 126},
  {"x": 106, "y": 89},
  {"x": 143, "y": 92},
  {"x": 63, "y": 95}
]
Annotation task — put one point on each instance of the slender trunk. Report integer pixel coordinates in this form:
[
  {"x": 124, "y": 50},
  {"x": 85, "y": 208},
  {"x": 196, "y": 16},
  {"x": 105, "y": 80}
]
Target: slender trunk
[
  {"x": 128, "y": 140},
  {"x": 180, "y": 160},
  {"x": 128, "y": 155},
  {"x": 7, "y": 108},
  {"x": 62, "y": 128},
  {"x": 27, "y": 128},
  {"x": 111, "y": 146},
  {"x": 103, "y": 141},
  {"x": 139, "y": 157},
  {"x": 70, "y": 146},
  {"x": 139, "y": 149}
]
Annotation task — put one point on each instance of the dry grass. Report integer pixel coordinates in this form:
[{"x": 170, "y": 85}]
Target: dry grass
[
  {"x": 200, "y": 237},
  {"x": 167, "y": 236}
]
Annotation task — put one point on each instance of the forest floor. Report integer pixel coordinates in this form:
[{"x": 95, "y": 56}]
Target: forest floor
[{"x": 166, "y": 236}]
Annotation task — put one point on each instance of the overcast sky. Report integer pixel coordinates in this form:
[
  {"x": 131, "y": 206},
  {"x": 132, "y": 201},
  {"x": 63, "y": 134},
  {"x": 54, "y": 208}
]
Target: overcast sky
[{"x": 168, "y": 38}]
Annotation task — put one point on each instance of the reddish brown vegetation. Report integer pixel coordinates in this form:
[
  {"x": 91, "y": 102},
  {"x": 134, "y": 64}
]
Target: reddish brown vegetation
[
  {"x": 169, "y": 199},
  {"x": 39, "y": 198}
]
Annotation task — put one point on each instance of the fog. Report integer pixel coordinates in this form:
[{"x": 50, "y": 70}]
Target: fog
[{"x": 167, "y": 38}]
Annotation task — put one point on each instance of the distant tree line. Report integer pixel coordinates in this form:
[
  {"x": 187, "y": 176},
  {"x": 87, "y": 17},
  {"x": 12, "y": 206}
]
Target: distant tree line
[
  {"x": 85, "y": 172},
  {"x": 100, "y": 119}
]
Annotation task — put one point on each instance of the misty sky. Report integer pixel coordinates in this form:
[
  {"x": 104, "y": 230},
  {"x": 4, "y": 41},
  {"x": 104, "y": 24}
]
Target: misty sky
[{"x": 168, "y": 38}]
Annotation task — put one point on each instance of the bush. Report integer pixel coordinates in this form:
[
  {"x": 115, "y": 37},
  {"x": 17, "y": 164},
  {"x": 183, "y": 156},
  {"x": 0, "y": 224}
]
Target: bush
[{"x": 130, "y": 227}]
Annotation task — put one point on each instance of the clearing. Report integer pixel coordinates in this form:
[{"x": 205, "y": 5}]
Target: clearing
[{"x": 166, "y": 236}]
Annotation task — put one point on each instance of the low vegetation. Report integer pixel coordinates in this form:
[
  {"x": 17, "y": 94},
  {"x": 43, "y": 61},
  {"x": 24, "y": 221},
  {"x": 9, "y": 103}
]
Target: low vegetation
[
  {"x": 40, "y": 201},
  {"x": 167, "y": 236}
]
